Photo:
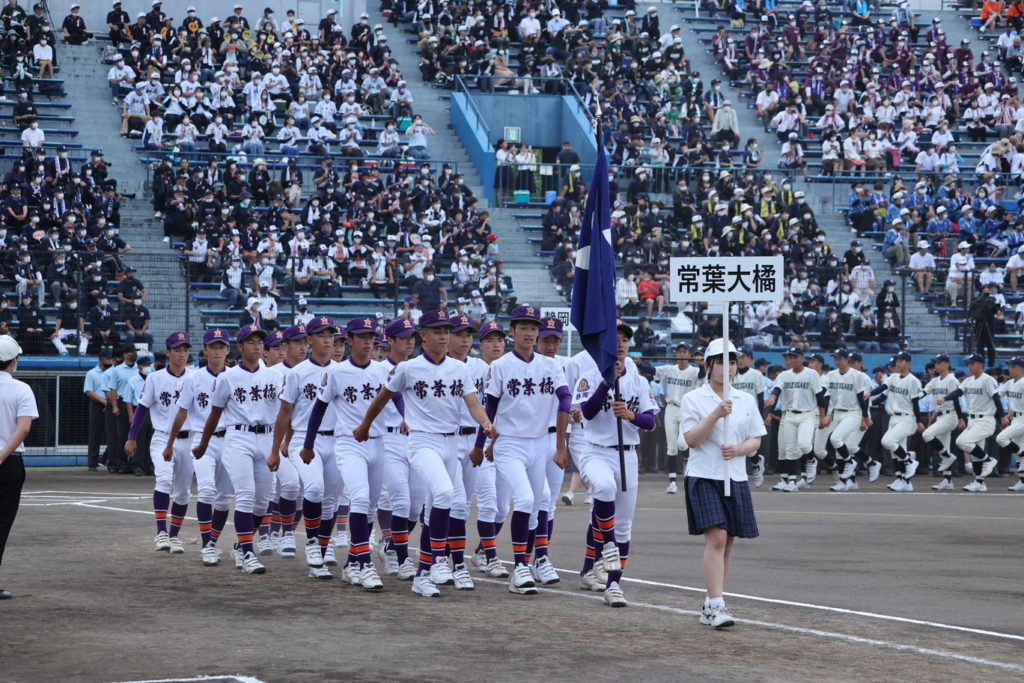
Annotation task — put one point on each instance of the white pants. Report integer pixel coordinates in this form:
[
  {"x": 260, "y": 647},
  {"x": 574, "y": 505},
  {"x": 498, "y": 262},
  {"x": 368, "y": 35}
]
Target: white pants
[
  {"x": 554, "y": 475},
  {"x": 1014, "y": 432},
  {"x": 492, "y": 494},
  {"x": 821, "y": 438},
  {"x": 796, "y": 434},
  {"x": 846, "y": 430},
  {"x": 579, "y": 448},
  {"x": 287, "y": 483},
  {"x": 942, "y": 428},
  {"x": 672, "y": 429},
  {"x": 320, "y": 478},
  {"x": 63, "y": 333},
  {"x": 467, "y": 473},
  {"x": 901, "y": 427},
  {"x": 405, "y": 488},
  {"x": 212, "y": 478},
  {"x": 436, "y": 460},
  {"x": 245, "y": 457},
  {"x": 601, "y": 471},
  {"x": 361, "y": 466},
  {"x": 521, "y": 463},
  {"x": 174, "y": 477},
  {"x": 978, "y": 430}
]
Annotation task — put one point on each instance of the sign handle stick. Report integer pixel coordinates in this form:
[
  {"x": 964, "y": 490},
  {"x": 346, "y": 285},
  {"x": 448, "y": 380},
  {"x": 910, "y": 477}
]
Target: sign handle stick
[
  {"x": 618, "y": 429},
  {"x": 726, "y": 385}
]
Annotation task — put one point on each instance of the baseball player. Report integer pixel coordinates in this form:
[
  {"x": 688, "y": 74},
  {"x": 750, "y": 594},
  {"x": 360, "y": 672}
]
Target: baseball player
[
  {"x": 750, "y": 381},
  {"x": 678, "y": 380},
  {"x": 944, "y": 420},
  {"x": 283, "y": 350},
  {"x": 1011, "y": 437},
  {"x": 173, "y": 474},
  {"x": 903, "y": 393},
  {"x": 319, "y": 475},
  {"x": 984, "y": 408},
  {"x": 848, "y": 390},
  {"x": 350, "y": 387},
  {"x": 522, "y": 387},
  {"x": 804, "y": 400},
  {"x": 341, "y": 515},
  {"x": 612, "y": 513},
  {"x": 212, "y": 480},
  {"x": 432, "y": 387},
  {"x": 246, "y": 395}
]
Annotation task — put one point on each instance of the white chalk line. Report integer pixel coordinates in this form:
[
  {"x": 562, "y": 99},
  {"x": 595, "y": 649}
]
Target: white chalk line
[
  {"x": 893, "y": 494},
  {"x": 237, "y": 677}
]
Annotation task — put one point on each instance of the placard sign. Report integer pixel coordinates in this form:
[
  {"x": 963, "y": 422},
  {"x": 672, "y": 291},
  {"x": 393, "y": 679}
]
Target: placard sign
[{"x": 741, "y": 278}]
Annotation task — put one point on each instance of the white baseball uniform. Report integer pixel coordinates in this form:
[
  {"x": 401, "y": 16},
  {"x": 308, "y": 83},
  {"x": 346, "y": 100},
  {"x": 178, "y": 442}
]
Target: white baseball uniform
[
  {"x": 800, "y": 416},
  {"x": 160, "y": 395},
  {"x": 945, "y": 420},
  {"x": 465, "y": 439},
  {"x": 212, "y": 481},
  {"x": 900, "y": 394},
  {"x": 1013, "y": 390},
  {"x": 980, "y": 397},
  {"x": 405, "y": 488},
  {"x": 676, "y": 382},
  {"x": 845, "y": 391},
  {"x": 286, "y": 481}
]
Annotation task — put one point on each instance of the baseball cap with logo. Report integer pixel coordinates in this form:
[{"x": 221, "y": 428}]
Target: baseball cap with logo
[
  {"x": 400, "y": 328},
  {"x": 463, "y": 323},
  {"x": 295, "y": 333},
  {"x": 436, "y": 318},
  {"x": 273, "y": 339},
  {"x": 1016, "y": 361},
  {"x": 492, "y": 327},
  {"x": 9, "y": 349},
  {"x": 624, "y": 328},
  {"x": 794, "y": 351},
  {"x": 247, "y": 331},
  {"x": 841, "y": 353},
  {"x": 974, "y": 358},
  {"x": 214, "y": 336},
  {"x": 319, "y": 324},
  {"x": 941, "y": 358},
  {"x": 902, "y": 355},
  {"x": 818, "y": 357},
  {"x": 551, "y": 327},
  {"x": 361, "y": 325},
  {"x": 526, "y": 313},
  {"x": 176, "y": 339}
]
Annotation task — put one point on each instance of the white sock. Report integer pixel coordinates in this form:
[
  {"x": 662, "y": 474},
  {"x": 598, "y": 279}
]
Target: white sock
[{"x": 711, "y": 603}]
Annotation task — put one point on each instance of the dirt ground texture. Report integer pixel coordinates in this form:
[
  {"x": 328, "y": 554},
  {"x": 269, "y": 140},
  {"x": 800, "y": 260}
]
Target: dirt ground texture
[{"x": 854, "y": 586}]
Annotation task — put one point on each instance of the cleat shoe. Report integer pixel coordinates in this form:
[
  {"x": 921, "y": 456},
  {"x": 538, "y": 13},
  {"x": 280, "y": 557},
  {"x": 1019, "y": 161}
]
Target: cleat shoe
[
  {"x": 440, "y": 574},
  {"x": 803, "y": 483},
  {"x": 610, "y": 555},
  {"x": 275, "y": 541},
  {"x": 600, "y": 573},
  {"x": 907, "y": 486},
  {"x": 236, "y": 552},
  {"x": 671, "y": 486},
  {"x": 162, "y": 541},
  {"x": 177, "y": 547},
  {"x": 987, "y": 466},
  {"x": 264, "y": 547},
  {"x": 322, "y": 573},
  {"x": 329, "y": 557},
  {"x": 252, "y": 565},
  {"x": 759, "y": 471},
  {"x": 391, "y": 563},
  {"x": 613, "y": 596},
  {"x": 369, "y": 579},
  {"x": 568, "y": 498},
  {"x": 210, "y": 555},
  {"x": 791, "y": 487},
  {"x": 495, "y": 569},
  {"x": 313, "y": 556},
  {"x": 341, "y": 539},
  {"x": 351, "y": 574},
  {"x": 851, "y": 485},
  {"x": 521, "y": 582},
  {"x": 849, "y": 470},
  {"x": 874, "y": 470},
  {"x": 286, "y": 548},
  {"x": 407, "y": 570},
  {"x": 544, "y": 572},
  {"x": 718, "y": 617},
  {"x": 480, "y": 560},
  {"x": 781, "y": 486},
  {"x": 896, "y": 485},
  {"x": 944, "y": 485},
  {"x": 976, "y": 487},
  {"x": 811, "y": 470},
  {"x": 462, "y": 579},
  {"x": 1019, "y": 486},
  {"x": 911, "y": 468},
  {"x": 422, "y": 585},
  {"x": 947, "y": 462},
  {"x": 590, "y": 582},
  {"x": 839, "y": 486}
]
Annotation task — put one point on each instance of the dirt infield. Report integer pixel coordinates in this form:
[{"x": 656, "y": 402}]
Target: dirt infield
[{"x": 855, "y": 586}]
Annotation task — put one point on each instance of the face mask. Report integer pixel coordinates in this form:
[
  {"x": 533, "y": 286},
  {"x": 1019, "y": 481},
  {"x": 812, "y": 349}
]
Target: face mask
[
  {"x": 103, "y": 303},
  {"x": 145, "y": 371},
  {"x": 73, "y": 305},
  {"x": 137, "y": 302},
  {"x": 429, "y": 278}
]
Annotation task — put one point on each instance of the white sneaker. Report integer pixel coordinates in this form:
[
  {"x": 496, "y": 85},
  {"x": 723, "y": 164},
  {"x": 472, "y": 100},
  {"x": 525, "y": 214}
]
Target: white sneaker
[
  {"x": 263, "y": 546},
  {"x": 781, "y": 486},
  {"x": 590, "y": 582},
  {"x": 462, "y": 579},
  {"x": 944, "y": 485},
  {"x": 369, "y": 578},
  {"x": 589, "y": 500},
  {"x": 1019, "y": 486},
  {"x": 976, "y": 487},
  {"x": 851, "y": 485},
  {"x": 600, "y": 572},
  {"x": 162, "y": 541},
  {"x": 610, "y": 555},
  {"x": 907, "y": 486},
  {"x": 313, "y": 556},
  {"x": 521, "y": 582},
  {"x": 322, "y": 573},
  {"x": 544, "y": 572},
  {"x": 330, "y": 559},
  {"x": 671, "y": 486},
  {"x": 987, "y": 465},
  {"x": 177, "y": 547},
  {"x": 252, "y": 565},
  {"x": 759, "y": 471},
  {"x": 480, "y": 560},
  {"x": 874, "y": 470},
  {"x": 236, "y": 552},
  {"x": 210, "y": 555},
  {"x": 849, "y": 469},
  {"x": 422, "y": 585},
  {"x": 947, "y": 462},
  {"x": 568, "y": 498},
  {"x": 407, "y": 570},
  {"x": 912, "y": 466},
  {"x": 613, "y": 596},
  {"x": 341, "y": 539},
  {"x": 156, "y": 214},
  {"x": 838, "y": 486},
  {"x": 811, "y": 470},
  {"x": 275, "y": 541},
  {"x": 717, "y": 617},
  {"x": 390, "y": 563},
  {"x": 440, "y": 574},
  {"x": 286, "y": 548},
  {"x": 791, "y": 487},
  {"x": 495, "y": 569},
  {"x": 351, "y": 574},
  {"x": 803, "y": 483},
  {"x": 897, "y": 485}
]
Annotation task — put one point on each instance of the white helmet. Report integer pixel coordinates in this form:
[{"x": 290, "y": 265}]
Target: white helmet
[{"x": 715, "y": 348}]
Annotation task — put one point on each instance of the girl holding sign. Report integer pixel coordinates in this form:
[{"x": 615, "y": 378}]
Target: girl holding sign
[{"x": 717, "y": 451}]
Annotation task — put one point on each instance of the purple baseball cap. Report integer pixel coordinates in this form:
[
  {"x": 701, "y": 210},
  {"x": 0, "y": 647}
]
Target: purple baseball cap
[
  {"x": 247, "y": 331},
  {"x": 215, "y": 335},
  {"x": 550, "y": 327},
  {"x": 381, "y": 342},
  {"x": 490, "y": 327},
  {"x": 436, "y": 319},
  {"x": 526, "y": 313},
  {"x": 464, "y": 322},
  {"x": 295, "y": 333},
  {"x": 400, "y": 328},
  {"x": 340, "y": 334},
  {"x": 176, "y": 339},
  {"x": 273, "y": 339},
  {"x": 319, "y": 324},
  {"x": 360, "y": 326}
]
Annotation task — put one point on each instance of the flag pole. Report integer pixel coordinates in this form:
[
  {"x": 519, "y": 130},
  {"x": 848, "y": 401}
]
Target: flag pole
[{"x": 726, "y": 386}]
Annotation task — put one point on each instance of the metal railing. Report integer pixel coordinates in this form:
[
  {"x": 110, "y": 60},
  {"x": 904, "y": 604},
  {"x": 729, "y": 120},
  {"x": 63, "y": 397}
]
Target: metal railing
[{"x": 462, "y": 87}]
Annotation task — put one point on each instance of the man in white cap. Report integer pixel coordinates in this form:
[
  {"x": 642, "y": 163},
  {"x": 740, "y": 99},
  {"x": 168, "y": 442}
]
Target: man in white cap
[
  {"x": 17, "y": 410},
  {"x": 961, "y": 266},
  {"x": 922, "y": 265},
  {"x": 1014, "y": 265}
]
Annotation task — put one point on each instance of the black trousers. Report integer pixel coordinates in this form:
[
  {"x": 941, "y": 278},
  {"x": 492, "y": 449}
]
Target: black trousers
[
  {"x": 12, "y": 478},
  {"x": 97, "y": 432},
  {"x": 115, "y": 452}
]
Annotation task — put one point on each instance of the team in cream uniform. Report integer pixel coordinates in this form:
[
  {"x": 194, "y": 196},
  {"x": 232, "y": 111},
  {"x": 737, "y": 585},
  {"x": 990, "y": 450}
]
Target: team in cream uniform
[
  {"x": 944, "y": 419},
  {"x": 803, "y": 398},
  {"x": 848, "y": 419},
  {"x": 750, "y": 381},
  {"x": 980, "y": 392},
  {"x": 676, "y": 380},
  {"x": 903, "y": 393},
  {"x": 1011, "y": 437}
]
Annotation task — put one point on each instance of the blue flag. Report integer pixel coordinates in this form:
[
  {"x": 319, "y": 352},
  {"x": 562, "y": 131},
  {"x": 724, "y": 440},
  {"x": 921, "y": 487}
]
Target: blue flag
[{"x": 593, "y": 289}]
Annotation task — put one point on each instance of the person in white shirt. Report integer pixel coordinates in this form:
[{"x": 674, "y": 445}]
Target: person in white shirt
[
  {"x": 119, "y": 77},
  {"x": 217, "y": 133},
  {"x": 135, "y": 107},
  {"x": 42, "y": 53},
  {"x": 529, "y": 25},
  {"x": 961, "y": 265},
  {"x": 863, "y": 279},
  {"x": 1014, "y": 266},
  {"x": 253, "y": 134},
  {"x": 927, "y": 160},
  {"x": 922, "y": 265},
  {"x": 720, "y": 433},
  {"x": 984, "y": 411},
  {"x": 319, "y": 138},
  {"x": 185, "y": 134},
  {"x": 32, "y": 137}
]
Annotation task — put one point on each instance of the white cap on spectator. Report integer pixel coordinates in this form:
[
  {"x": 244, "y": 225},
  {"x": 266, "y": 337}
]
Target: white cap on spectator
[
  {"x": 675, "y": 27},
  {"x": 652, "y": 10},
  {"x": 964, "y": 245},
  {"x": 556, "y": 12},
  {"x": 1020, "y": 249},
  {"x": 697, "y": 219},
  {"x": 737, "y": 219},
  {"x": 990, "y": 209},
  {"x": 898, "y": 195},
  {"x": 794, "y": 221},
  {"x": 941, "y": 209},
  {"x": 897, "y": 221},
  {"x": 904, "y": 212},
  {"x": 922, "y": 245}
]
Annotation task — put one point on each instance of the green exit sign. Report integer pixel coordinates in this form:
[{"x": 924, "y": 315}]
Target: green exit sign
[{"x": 513, "y": 134}]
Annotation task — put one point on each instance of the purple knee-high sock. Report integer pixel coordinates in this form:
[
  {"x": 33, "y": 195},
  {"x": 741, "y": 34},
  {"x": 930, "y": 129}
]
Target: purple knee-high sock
[
  {"x": 457, "y": 540},
  {"x": 341, "y": 515},
  {"x": 487, "y": 542},
  {"x": 539, "y": 547},
  {"x": 220, "y": 518},
  {"x": 286, "y": 509},
  {"x": 257, "y": 519},
  {"x": 161, "y": 502},
  {"x": 178, "y": 511},
  {"x": 623, "y": 555},
  {"x": 384, "y": 522},
  {"x": 204, "y": 513},
  {"x": 591, "y": 551},
  {"x": 531, "y": 540},
  {"x": 439, "y": 526},
  {"x": 603, "y": 520},
  {"x": 326, "y": 530},
  {"x": 551, "y": 527},
  {"x": 426, "y": 557},
  {"x": 520, "y": 536},
  {"x": 359, "y": 537},
  {"x": 400, "y": 537},
  {"x": 497, "y": 528},
  {"x": 266, "y": 524},
  {"x": 244, "y": 528},
  {"x": 311, "y": 512},
  {"x": 275, "y": 517}
]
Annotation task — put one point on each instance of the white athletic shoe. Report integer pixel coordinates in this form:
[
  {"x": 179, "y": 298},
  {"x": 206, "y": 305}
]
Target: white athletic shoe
[
  {"x": 480, "y": 560},
  {"x": 987, "y": 465},
  {"x": 322, "y": 573},
  {"x": 264, "y": 547},
  {"x": 613, "y": 596},
  {"x": 718, "y": 617},
  {"x": 162, "y": 541},
  {"x": 839, "y": 486},
  {"x": 177, "y": 547},
  {"x": 589, "y": 500},
  {"x": 313, "y": 556},
  {"x": 849, "y": 469},
  {"x": 495, "y": 569},
  {"x": 781, "y": 486},
  {"x": 600, "y": 572},
  {"x": 210, "y": 555},
  {"x": 390, "y": 563},
  {"x": 462, "y": 579},
  {"x": 544, "y": 572},
  {"x": 236, "y": 552},
  {"x": 976, "y": 487},
  {"x": 341, "y": 539},
  {"x": 275, "y": 541},
  {"x": 912, "y": 466},
  {"x": 369, "y": 579},
  {"x": 897, "y": 485},
  {"x": 252, "y": 565},
  {"x": 944, "y": 485},
  {"x": 440, "y": 574},
  {"x": 521, "y": 582},
  {"x": 791, "y": 486},
  {"x": 851, "y": 485},
  {"x": 803, "y": 483},
  {"x": 568, "y": 498},
  {"x": 811, "y": 470},
  {"x": 590, "y": 582},
  {"x": 286, "y": 548},
  {"x": 759, "y": 471},
  {"x": 351, "y": 574},
  {"x": 1019, "y": 486},
  {"x": 874, "y": 470},
  {"x": 330, "y": 559},
  {"x": 422, "y": 585},
  {"x": 947, "y": 462},
  {"x": 407, "y": 570},
  {"x": 671, "y": 486},
  {"x": 610, "y": 554}
]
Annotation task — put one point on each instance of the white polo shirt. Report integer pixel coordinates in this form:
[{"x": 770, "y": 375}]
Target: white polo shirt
[
  {"x": 432, "y": 392},
  {"x": 18, "y": 401},
  {"x": 160, "y": 395},
  {"x": 527, "y": 393},
  {"x": 706, "y": 461}
]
